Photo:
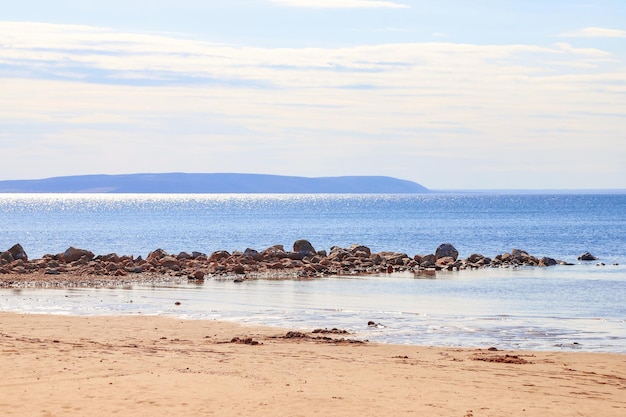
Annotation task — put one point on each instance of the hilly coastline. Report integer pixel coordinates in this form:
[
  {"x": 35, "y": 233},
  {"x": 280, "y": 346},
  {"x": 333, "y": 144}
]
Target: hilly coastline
[{"x": 172, "y": 183}]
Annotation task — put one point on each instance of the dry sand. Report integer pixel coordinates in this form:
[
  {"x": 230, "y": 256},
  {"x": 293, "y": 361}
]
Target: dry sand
[{"x": 155, "y": 366}]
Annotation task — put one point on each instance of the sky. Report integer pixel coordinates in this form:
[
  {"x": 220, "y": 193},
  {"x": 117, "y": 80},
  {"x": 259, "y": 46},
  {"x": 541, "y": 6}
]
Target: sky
[{"x": 452, "y": 94}]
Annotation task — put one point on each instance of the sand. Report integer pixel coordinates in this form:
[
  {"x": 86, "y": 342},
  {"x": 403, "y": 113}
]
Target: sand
[{"x": 155, "y": 366}]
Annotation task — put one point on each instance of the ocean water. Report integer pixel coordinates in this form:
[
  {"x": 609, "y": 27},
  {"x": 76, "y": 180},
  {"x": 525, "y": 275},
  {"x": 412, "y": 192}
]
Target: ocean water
[{"x": 577, "y": 307}]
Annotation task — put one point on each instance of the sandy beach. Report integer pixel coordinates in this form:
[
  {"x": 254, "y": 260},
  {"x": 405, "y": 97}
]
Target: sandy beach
[{"x": 155, "y": 366}]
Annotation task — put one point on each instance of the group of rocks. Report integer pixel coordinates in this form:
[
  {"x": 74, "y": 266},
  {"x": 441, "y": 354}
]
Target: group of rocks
[{"x": 303, "y": 262}]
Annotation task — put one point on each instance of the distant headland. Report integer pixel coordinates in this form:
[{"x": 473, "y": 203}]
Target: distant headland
[{"x": 188, "y": 183}]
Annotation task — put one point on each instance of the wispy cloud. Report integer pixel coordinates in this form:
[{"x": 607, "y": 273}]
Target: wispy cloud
[
  {"x": 90, "y": 85},
  {"x": 594, "y": 32},
  {"x": 341, "y": 4}
]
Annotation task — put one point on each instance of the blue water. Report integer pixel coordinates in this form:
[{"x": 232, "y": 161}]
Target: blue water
[{"x": 565, "y": 307}]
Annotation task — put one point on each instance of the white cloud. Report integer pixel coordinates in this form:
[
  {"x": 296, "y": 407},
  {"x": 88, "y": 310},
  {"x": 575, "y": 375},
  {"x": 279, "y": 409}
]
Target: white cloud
[
  {"x": 593, "y": 32},
  {"x": 198, "y": 105},
  {"x": 340, "y": 4}
]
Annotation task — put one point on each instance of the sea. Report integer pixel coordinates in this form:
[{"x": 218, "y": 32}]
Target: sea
[{"x": 575, "y": 307}]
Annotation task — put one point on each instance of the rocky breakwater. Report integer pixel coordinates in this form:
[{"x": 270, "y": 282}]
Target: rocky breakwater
[{"x": 274, "y": 262}]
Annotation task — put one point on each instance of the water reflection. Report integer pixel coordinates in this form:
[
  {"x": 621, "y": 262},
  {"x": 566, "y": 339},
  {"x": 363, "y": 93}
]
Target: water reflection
[{"x": 530, "y": 309}]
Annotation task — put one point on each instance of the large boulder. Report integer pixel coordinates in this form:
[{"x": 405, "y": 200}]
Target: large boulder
[
  {"x": 546, "y": 261},
  {"x": 304, "y": 248},
  {"x": 17, "y": 251},
  {"x": 587, "y": 257},
  {"x": 446, "y": 250},
  {"x": 73, "y": 254}
]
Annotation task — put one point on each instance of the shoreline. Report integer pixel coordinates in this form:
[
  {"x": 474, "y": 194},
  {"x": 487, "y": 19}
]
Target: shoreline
[{"x": 69, "y": 365}]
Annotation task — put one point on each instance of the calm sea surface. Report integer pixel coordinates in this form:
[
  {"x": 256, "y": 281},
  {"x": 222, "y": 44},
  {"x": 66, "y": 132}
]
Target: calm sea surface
[{"x": 582, "y": 306}]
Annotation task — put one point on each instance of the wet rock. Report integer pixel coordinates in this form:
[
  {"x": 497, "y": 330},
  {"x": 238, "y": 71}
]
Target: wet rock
[
  {"x": 295, "y": 335},
  {"x": 587, "y": 257},
  {"x": 244, "y": 341},
  {"x": 198, "y": 275},
  {"x": 330, "y": 331},
  {"x": 545, "y": 261}
]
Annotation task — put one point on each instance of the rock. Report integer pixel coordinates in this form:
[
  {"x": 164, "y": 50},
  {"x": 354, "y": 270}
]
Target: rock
[
  {"x": 587, "y": 257},
  {"x": 219, "y": 255},
  {"x": 156, "y": 255},
  {"x": 545, "y": 261},
  {"x": 428, "y": 261},
  {"x": 169, "y": 262},
  {"x": 304, "y": 248},
  {"x": 73, "y": 254},
  {"x": 356, "y": 248},
  {"x": 6, "y": 257},
  {"x": 251, "y": 253},
  {"x": 18, "y": 252},
  {"x": 274, "y": 253},
  {"x": 445, "y": 261},
  {"x": 199, "y": 275},
  {"x": 446, "y": 250},
  {"x": 111, "y": 257}
]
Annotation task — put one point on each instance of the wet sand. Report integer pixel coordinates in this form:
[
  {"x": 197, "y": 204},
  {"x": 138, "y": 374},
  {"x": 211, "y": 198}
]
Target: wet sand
[{"x": 155, "y": 366}]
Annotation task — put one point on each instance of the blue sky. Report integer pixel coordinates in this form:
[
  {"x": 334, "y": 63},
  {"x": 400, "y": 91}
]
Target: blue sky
[{"x": 451, "y": 94}]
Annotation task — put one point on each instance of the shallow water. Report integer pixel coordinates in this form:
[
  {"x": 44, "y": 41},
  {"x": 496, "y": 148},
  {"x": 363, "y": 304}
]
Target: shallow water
[{"x": 526, "y": 308}]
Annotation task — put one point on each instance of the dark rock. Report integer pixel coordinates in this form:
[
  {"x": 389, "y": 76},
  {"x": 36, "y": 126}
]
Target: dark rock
[
  {"x": 6, "y": 257},
  {"x": 587, "y": 257},
  {"x": 251, "y": 253},
  {"x": 446, "y": 250},
  {"x": 17, "y": 251},
  {"x": 334, "y": 330},
  {"x": 428, "y": 261},
  {"x": 304, "y": 248}
]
